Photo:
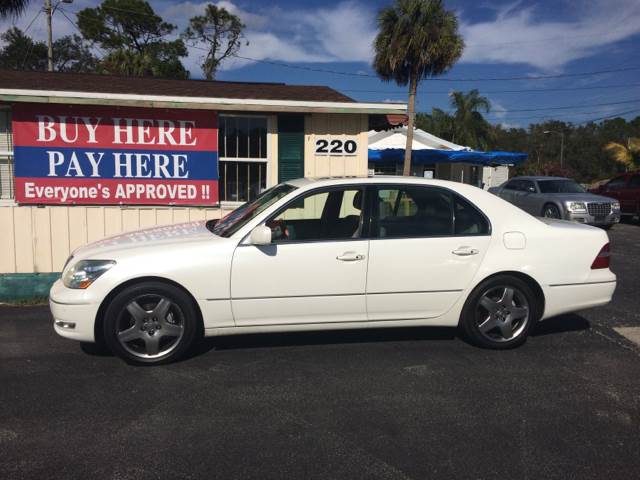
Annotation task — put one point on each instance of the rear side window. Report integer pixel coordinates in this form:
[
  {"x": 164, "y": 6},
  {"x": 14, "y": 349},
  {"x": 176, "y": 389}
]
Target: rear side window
[
  {"x": 413, "y": 211},
  {"x": 468, "y": 219},
  {"x": 634, "y": 182}
]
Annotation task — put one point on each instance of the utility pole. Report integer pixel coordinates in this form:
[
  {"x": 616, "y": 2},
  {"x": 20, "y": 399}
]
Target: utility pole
[
  {"x": 49, "y": 13},
  {"x": 561, "y": 133}
]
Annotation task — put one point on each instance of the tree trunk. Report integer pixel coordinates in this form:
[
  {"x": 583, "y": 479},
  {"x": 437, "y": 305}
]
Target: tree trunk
[{"x": 413, "y": 85}]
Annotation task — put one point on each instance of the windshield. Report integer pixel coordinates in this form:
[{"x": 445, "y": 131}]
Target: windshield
[
  {"x": 238, "y": 218},
  {"x": 560, "y": 186}
]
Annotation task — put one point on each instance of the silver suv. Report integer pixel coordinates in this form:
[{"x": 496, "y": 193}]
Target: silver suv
[{"x": 558, "y": 197}]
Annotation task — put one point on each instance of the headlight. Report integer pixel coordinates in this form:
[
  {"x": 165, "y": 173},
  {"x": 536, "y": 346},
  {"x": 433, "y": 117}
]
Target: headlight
[
  {"x": 576, "y": 207},
  {"x": 615, "y": 206},
  {"x": 85, "y": 272}
]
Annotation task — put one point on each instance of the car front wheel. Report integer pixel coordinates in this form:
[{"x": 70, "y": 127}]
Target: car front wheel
[
  {"x": 551, "y": 211},
  {"x": 499, "y": 313},
  {"x": 150, "y": 323}
]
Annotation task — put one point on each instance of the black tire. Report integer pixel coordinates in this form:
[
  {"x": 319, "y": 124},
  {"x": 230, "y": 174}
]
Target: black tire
[
  {"x": 477, "y": 322},
  {"x": 160, "y": 331},
  {"x": 607, "y": 227},
  {"x": 551, "y": 210}
]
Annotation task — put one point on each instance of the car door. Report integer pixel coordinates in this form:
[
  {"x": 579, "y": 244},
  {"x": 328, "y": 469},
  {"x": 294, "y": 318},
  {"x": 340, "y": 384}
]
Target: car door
[
  {"x": 628, "y": 195},
  {"x": 426, "y": 246},
  {"x": 615, "y": 187},
  {"x": 507, "y": 192},
  {"x": 314, "y": 270},
  {"x": 633, "y": 201},
  {"x": 529, "y": 198}
]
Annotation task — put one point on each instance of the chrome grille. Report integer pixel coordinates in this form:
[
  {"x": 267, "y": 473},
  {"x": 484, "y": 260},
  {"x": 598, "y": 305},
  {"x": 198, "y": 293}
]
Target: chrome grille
[{"x": 597, "y": 209}]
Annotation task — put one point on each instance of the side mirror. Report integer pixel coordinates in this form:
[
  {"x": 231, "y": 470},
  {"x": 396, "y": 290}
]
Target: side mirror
[
  {"x": 261, "y": 235},
  {"x": 531, "y": 189}
]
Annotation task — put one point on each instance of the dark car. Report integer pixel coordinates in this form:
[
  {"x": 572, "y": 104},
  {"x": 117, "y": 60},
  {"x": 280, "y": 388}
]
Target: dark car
[
  {"x": 559, "y": 197},
  {"x": 626, "y": 190}
]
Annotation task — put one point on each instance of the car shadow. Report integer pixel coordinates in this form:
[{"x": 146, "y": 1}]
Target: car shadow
[
  {"x": 333, "y": 337},
  {"x": 561, "y": 324}
]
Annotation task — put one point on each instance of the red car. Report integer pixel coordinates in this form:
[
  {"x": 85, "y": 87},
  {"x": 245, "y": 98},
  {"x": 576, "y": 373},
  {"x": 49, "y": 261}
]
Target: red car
[{"x": 625, "y": 189}]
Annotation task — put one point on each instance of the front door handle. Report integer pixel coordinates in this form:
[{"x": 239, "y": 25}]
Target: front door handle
[
  {"x": 350, "y": 257},
  {"x": 465, "y": 251}
]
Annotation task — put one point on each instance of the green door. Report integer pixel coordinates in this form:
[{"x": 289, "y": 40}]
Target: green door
[{"x": 290, "y": 147}]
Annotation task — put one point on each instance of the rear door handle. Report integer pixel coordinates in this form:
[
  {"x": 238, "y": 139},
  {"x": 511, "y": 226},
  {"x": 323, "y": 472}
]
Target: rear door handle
[
  {"x": 465, "y": 251},
  {"x": 350, "y": 257}
]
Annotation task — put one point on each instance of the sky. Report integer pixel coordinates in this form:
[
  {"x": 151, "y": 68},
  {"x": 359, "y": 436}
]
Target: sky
[{"x": 330, "y": 43}]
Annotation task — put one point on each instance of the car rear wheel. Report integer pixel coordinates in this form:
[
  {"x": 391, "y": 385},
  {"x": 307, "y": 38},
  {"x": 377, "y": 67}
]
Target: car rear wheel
[
  {"x": 150, "y": 323},
  {"x": 500, "y": 313},
  {"x": 551, "y": 211}
]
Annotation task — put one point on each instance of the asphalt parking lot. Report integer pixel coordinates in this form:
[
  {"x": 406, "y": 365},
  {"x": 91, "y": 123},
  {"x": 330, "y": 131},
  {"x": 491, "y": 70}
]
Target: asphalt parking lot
[{"x": 396, "y": 404}]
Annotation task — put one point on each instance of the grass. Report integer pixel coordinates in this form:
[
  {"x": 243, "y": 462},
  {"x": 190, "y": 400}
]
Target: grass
[{"x": 27, "y": 302}]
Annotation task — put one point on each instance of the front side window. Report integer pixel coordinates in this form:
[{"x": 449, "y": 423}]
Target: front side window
[
  {"x": 411, "y": 211},
  {"x": 238, "y": 218},
  {"x": 616, "y": 184},
  {"x": 243, "y": 155},
  {"x": 634, "y": 182},
  {"x": 325, "y": 215},
  {"x": 512, "y": 185}
]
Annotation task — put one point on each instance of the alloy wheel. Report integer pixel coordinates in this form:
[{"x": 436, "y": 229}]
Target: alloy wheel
[
  {"x": 150, "y": 326},
  {"x": 502, "y": 313}
]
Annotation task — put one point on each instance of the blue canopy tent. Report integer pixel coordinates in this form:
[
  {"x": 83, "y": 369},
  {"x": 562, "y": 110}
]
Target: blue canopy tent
[{"x": 428, "y": 156}]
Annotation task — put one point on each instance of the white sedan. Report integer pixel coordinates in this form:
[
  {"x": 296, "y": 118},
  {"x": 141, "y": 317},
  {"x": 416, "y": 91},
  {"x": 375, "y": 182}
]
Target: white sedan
[{"x": 334, "y": 254}]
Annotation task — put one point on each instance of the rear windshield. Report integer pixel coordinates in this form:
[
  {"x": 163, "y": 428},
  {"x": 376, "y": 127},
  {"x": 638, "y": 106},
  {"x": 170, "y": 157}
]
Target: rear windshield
[
  {"x": 239, "y": 217},
  {"x": 560, "y": 186}
]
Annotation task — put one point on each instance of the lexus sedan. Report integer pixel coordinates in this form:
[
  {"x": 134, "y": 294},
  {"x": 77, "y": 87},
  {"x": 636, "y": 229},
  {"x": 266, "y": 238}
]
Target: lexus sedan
[
  {"x": 558, "y": 197},
  {"x": 334, "y": 254}
]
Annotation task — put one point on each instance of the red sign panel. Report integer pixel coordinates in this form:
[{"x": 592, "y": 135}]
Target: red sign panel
[{"x": 111, "y": 155}]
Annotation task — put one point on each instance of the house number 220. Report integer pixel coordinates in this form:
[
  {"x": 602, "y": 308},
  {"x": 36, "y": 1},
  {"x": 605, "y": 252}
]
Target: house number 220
[{"x": 336, "y": 147}]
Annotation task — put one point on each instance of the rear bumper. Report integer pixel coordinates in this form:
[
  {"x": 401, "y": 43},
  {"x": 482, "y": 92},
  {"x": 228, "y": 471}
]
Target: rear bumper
[
  {"x": 73, "y": 313},
  {"x": 578, "y": 296}
]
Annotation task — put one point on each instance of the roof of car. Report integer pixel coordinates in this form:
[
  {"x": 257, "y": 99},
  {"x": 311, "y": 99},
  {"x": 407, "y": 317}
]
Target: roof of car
[
  {"x": 341, "y": 180},
  {"x": 538, "y": 178}
]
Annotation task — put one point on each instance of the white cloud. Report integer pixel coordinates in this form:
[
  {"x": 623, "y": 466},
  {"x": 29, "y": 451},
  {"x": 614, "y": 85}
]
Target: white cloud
[
  {"x": 342, "y": 33},
  {"x": 517, "y": 35}
]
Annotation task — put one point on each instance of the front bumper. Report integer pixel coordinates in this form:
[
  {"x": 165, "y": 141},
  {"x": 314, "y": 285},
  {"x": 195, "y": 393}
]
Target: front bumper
[
  {"x": 74, "y": 312},
  {"x": 613, "y": 217}
]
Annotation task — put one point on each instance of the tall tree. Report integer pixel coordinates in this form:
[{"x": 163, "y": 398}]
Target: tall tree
[
  {"x": 627, "y": 155},
  {"x": 21, "y": 52},
  {"x": 220, "y": 31},
  {"x": 417, "y": 39},
  {"x": 470, "y": 127},
  {"x": 9, "y": 8},
  {"x": 135, "y": 39}
]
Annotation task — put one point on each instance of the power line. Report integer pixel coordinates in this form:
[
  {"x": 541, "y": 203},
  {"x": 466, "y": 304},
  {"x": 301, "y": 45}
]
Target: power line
[
  {"x": 525, "y": 90},
  {"x": 569, "y": 107},
  {"x": 610, "y": 116},
  {"x": 443, "y": 79},
  {"x": 64, "y": 14}
]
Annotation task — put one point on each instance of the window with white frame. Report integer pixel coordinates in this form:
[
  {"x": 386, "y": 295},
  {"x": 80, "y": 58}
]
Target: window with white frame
[
  {"x": 6, "y": 155},
  {"x": 243, "y": 157}
]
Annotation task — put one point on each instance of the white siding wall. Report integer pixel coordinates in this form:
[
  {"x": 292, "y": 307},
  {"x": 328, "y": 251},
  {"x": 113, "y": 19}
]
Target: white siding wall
[{"x": 39, "y": 239}]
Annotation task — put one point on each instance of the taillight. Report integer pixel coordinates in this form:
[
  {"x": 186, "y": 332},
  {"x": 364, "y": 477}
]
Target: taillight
[{"x": 602, "y": 260}]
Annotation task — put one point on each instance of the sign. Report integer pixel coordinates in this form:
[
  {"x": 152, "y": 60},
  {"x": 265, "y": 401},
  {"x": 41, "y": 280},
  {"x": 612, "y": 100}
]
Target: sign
[
  {"x": 336, "y": 146},
  {"x": 111, "y": 155}
]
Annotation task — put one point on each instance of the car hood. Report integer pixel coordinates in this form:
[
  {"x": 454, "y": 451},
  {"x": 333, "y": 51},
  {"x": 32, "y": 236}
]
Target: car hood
[
  {"x": 579, "y": 197},
  {"x": 163, "y": 236}
]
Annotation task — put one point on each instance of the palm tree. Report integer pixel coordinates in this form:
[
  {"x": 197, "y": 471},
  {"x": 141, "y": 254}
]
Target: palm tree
[
  {"x": 471, "y": 129},
  {"x": 416, "y": 39},
  {"x": 10, "y": 8},
  {"x": 628, "y": 155}
]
